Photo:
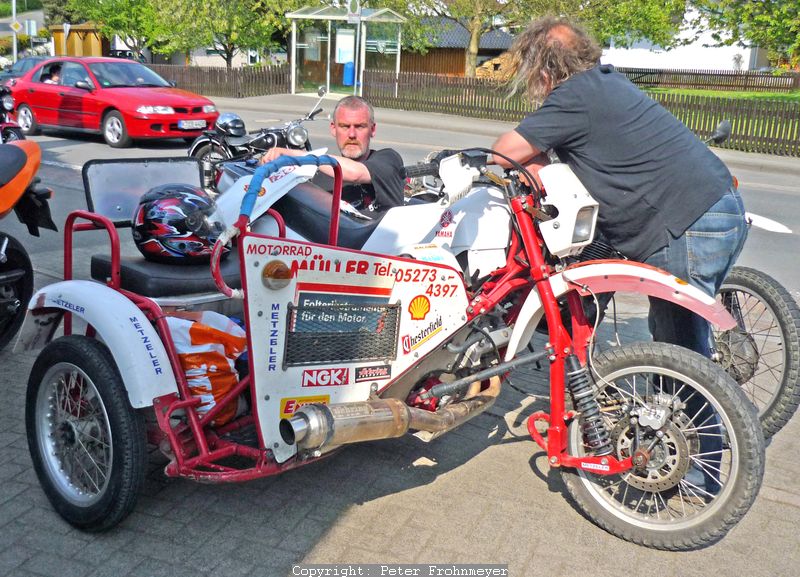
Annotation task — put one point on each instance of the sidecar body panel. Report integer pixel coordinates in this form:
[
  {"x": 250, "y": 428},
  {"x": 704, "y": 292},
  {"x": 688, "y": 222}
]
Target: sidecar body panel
[
  {"x": 328, "y": 325},
  {"x": 618, "y": 276},
  {"x": 136, "y": 347}
]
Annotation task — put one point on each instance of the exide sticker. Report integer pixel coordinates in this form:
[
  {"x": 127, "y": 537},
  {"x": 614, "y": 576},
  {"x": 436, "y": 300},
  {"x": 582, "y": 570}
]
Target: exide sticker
[
  {"x": 290, "y": 405},
  {"x": 326, "y": 377},
  {"x": 373, "y": 373}
]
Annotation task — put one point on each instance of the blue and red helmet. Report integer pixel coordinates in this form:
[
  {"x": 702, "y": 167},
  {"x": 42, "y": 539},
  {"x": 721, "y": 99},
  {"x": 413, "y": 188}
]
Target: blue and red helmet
[{"x": 176, "y": 224}]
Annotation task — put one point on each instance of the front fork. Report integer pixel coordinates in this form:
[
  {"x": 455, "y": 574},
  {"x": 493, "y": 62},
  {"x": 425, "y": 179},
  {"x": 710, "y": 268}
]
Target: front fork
[{"x": 566, "y": 360}]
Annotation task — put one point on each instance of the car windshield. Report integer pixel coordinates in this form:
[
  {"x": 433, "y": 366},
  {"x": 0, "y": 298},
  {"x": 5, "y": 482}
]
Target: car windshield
[{"x": 119, "y": 74}]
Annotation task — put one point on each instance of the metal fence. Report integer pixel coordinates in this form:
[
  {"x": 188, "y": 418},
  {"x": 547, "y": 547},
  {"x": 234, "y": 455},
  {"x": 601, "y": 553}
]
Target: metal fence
[
  {"x": 712, "y": 79},
  {"x": 758, "y": 125},
  {"x": 235, "y": 83}
]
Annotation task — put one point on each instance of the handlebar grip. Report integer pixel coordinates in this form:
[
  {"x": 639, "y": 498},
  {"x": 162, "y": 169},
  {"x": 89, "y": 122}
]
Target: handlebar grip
[{"x": 423, "y": 169}]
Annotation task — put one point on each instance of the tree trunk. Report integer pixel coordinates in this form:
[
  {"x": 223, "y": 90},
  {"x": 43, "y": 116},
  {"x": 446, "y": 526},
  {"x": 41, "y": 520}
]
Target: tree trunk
[{"x": 475, "y": 28}]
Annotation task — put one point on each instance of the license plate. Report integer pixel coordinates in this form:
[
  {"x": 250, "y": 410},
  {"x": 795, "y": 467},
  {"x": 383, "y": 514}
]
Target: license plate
[{"x": 191, "y": 124}]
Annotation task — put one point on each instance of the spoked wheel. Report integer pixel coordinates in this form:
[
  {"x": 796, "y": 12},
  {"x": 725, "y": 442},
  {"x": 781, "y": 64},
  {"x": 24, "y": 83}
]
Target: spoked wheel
[
  {"x": 763, "y": 354},
  {"x": 211, "y": 153},
  {"x": 86, "y": 441},
  {"x": 696, "y": 444},
  {"x": 16, "y": 288}
]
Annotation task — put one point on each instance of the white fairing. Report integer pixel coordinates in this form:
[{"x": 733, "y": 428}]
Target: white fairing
[
  {"x": 136, "y": 347},
  {"x": 273, "y": 188},
  {"x": 423, "y": 305},
  {"x": 574, "y": 226},
  {"x": 478, "y": 224}
]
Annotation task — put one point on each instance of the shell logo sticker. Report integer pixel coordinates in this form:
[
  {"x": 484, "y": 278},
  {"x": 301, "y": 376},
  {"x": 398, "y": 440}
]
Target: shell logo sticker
[
  {"x": 419, "y": 307},
  {"x": 290, "y": 405},
  {"x": 261, "y": 191}
]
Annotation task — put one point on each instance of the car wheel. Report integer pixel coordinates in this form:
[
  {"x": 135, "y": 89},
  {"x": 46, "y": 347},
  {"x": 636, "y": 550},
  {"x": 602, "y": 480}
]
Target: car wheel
[
  {"x": 114, "y": 131},
  {"x": 27, "y": 122}
]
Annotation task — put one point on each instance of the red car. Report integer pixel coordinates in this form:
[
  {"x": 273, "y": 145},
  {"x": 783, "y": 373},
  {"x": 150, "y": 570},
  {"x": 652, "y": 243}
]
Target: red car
[{"x": 120, "y": 99}]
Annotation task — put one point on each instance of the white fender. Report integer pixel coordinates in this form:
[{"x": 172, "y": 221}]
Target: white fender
[
  {"x": 135, "y": 345},
  {"x": 618, "y": 276}
]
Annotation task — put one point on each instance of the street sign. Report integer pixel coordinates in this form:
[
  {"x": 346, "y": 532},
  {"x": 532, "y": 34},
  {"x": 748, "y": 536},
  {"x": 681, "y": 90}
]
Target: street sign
[
  {"x": 16, "y": 26},
  {"x": 353, "y": 11}
]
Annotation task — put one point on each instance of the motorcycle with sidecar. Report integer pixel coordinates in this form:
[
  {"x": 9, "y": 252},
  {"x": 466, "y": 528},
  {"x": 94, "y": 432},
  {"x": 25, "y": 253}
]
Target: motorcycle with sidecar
[{"x": 346, "y": 345}]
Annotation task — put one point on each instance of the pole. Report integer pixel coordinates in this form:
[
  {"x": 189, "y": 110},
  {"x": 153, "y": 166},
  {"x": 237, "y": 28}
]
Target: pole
[
  {"x": 293, "y": 62},
  {"x": 328, "y": 72},
  {"x": 397, "y": 61},
  {"x": 356, "y": 55},
  {"x": 363, "y": 60},
  {"x": 14, "y": 19}
]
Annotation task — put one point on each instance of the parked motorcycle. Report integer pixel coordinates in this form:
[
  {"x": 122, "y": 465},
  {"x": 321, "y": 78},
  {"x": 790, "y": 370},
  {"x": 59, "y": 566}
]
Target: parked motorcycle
[
  {"x": 20, "y": 191},
  {"x": 762, "y": 354},
  {"x": 9, "y": 129},
  {"x": 347, "y": 345},
  {"x": 230, "y": 140}
]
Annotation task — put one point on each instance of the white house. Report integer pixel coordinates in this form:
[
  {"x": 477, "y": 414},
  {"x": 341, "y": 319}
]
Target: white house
[{"x": 699, "y": 55}]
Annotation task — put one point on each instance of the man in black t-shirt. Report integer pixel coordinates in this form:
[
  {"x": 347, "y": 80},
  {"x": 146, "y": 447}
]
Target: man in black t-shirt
[
  {"x": 665, "y": 198},
  {"x": 373, "y": 179}
]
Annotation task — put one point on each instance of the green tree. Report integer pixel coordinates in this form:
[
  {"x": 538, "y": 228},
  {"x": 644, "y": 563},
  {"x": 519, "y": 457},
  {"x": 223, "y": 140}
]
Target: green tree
[
  {"x": 133, "y": 21},
  {"x": 57, "y": 12},
  {"x": 622, "y": 20},
  {"x": 228, "y": 26},
  {"x": 771, "y": 24}
]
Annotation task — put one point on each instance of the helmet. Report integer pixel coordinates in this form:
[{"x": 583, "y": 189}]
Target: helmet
[
  {"x": 176, "y": 224},
  {"x": 231, "y": 124}
]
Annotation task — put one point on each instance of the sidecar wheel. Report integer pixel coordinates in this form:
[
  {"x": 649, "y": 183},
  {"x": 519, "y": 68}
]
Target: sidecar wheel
[
  {"x": 668, "y": 502},
  {"x": 86, "y": 441},
  {"x": 763, "y": 355},
  {"x": 14, "y": 294}
]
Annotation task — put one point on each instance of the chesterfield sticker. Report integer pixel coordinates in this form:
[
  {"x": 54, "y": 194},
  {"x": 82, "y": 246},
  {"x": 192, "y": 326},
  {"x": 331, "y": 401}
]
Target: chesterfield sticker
[
  {"x": 326, "y": 377},
  {"x": 413, "y": 342},
  {"x": 447, "y": 219},
  {"x": 290, "y": 405},
  {"x": 373, "y": 373}
]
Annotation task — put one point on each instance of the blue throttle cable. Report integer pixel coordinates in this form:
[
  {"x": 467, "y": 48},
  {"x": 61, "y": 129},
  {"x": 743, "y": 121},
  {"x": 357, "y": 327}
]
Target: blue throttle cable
[{"x": 249, "y": 200}]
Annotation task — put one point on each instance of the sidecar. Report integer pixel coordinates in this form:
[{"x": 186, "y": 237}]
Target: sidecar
[{"x": 324, "y": 326}]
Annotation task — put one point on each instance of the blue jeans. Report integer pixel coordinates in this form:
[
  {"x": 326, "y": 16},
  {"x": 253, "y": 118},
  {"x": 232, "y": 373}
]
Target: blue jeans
[{"x": 702, "y": 256}]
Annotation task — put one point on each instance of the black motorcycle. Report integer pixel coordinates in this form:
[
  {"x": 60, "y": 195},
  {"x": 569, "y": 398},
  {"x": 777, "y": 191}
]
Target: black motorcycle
[
  {"x": 229, "y": 140},
  {"x": 9, "y": 129}
]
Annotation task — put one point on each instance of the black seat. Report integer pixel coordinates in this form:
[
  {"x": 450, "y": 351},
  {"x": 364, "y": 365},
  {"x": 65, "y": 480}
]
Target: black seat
[
  {"x": 12, "y": 159},
  {"x": 307, "y": 210},
  {"x": 152, "y": 279}
]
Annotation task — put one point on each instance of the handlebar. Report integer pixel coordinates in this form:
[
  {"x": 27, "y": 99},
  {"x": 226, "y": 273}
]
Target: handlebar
[{"x": 422, "y": 169}]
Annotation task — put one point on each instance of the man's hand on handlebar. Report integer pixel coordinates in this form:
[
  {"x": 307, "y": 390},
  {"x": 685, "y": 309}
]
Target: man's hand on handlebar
[{"x": 274, "y": 153}]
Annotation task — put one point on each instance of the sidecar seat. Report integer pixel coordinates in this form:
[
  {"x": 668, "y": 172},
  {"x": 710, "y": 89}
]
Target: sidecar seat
[
  {"x": 307, "y": 210},
  {"x": 152, "y": 279}
]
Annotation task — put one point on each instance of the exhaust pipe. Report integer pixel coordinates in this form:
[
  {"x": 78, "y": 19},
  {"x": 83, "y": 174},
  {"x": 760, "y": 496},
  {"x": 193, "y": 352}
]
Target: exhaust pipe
[{"x": 313, "y": 427}]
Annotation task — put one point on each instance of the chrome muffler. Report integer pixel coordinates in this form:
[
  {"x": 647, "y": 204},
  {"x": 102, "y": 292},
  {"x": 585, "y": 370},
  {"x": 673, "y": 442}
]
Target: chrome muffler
[{"x": 315, "y": 427}]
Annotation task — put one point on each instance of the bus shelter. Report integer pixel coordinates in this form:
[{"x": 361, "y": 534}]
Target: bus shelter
[{"x": 331, "y": 46}]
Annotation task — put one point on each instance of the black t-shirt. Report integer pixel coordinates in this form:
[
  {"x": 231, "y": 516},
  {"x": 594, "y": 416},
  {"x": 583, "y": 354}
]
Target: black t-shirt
[
  {"x": 386, "y": 189},
  {"x": 650, "y": 174}
]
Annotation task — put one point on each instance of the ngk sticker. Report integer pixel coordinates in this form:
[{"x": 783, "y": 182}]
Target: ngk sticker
[
  {"x": 290, "y": 405},
  {"x": 326, "y": 377}
]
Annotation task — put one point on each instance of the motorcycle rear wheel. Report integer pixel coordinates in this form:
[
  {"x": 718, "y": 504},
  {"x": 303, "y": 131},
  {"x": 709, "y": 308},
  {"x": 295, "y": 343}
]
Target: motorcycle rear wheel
[
  {"x": 764, "y": 355},
  {"x": 86, "y": 442},
  {"x": 14, "y": 294},
  {"x": 657, "y": 505}
]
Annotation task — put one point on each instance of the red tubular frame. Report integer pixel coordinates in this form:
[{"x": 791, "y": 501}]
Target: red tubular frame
[{"x": 197, "y": 447}]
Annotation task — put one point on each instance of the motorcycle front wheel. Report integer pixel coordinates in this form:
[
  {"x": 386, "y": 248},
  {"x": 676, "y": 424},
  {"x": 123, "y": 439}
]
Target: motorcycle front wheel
[
  {"x": 211, "y": 153},
  {"x": 763, "y": 353},
  {"x": 699, "y": 443},
  {"x": 16, "y": 288},
  {"x": 86, "y": 442}
]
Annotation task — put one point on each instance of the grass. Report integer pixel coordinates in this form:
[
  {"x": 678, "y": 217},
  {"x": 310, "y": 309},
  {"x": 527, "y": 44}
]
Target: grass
[
  {"x": 781, "y": 96},
  {"x": 22, "y": 6}
]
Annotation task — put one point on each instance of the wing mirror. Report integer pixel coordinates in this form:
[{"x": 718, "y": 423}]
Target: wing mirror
[
  {"x": 722, "y": 132},
  {"x": 83, "y": 85}
]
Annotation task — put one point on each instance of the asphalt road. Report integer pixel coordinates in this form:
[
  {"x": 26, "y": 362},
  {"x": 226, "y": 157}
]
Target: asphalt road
[{"x": 482, "y": 493}]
